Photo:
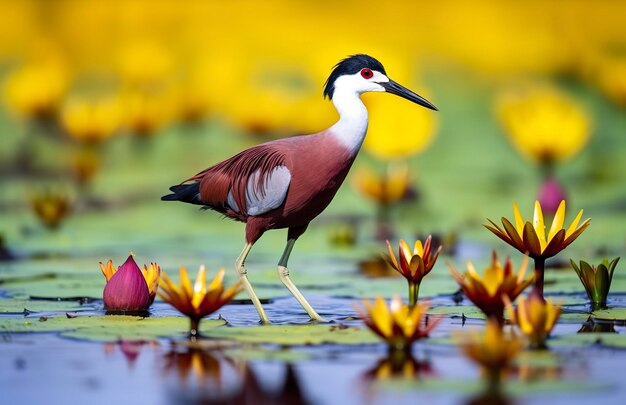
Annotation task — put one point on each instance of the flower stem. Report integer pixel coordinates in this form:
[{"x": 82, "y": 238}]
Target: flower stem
[
  {"x": 414, "y": 290},
  {"x": 540, "y": 264},
  {"x": 194, "y": 329}
]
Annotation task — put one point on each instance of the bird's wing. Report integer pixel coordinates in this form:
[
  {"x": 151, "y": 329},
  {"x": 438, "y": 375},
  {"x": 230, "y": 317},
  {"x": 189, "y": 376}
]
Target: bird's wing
[
  {"x": 266, "y": 195},
  {"x": 252, "y": 182}
]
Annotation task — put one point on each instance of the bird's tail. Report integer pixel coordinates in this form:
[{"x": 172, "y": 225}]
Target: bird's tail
[{"x": 189, "y": 193}]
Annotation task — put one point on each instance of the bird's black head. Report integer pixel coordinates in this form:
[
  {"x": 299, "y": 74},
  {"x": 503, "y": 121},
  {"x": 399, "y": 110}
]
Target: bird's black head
[{"x": 348, "y": 66}]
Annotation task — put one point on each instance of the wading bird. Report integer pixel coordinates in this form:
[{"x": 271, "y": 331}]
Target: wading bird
[{"x": 287, "y": 182}]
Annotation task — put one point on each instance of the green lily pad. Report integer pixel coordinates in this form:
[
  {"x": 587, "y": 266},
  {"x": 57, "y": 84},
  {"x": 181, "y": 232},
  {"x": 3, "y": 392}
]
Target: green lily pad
[
  {"x": 106, "y": 328},
  {"x": 611, "y": 314},
  {"x": 513, "y": 388},
  {"x": 469, "y": 311},
  {"x": 18, "y": 306},
  {"x": 296, "y": 335},
  {"x": 613, "y": 340}
]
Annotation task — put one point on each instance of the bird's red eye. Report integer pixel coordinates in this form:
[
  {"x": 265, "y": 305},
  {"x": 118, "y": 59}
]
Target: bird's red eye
[{"x": 367, "y": 73}]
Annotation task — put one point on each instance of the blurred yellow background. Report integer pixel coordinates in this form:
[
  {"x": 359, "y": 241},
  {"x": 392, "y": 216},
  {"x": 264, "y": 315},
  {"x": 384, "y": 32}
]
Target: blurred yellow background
[{"x": 91, "y": 71}]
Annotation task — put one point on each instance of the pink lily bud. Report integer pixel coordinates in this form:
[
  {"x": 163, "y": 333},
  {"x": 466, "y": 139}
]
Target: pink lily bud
[
  {"x": 551, "y": 194},
  {"x": 127, "y": 290}
]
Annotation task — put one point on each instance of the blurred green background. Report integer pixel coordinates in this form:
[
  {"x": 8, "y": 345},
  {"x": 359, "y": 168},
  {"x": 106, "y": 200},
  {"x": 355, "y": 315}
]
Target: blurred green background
[{"x": 107, "y": 103}]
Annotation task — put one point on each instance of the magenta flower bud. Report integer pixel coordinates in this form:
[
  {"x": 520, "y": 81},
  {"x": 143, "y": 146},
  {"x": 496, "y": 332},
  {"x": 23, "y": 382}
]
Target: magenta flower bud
[
  {"x": 127, "y": 290},
  {"x": 551, "y": 194}
]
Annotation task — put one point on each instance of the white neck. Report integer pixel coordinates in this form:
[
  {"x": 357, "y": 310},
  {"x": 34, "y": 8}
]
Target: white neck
[{"x": 352, "y": 125}]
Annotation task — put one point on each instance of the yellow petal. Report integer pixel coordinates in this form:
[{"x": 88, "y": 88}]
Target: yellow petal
[
  {"x": 381, "y": 317},
  {"x": 419, "y": 248},
  {"x": 199, "y": 287},
  {"x": 185, "y": 283},
  {"x": 405, "y": 251},
  {"x": 539, "y": 225},
  {"x": 519, "y": 222},
  {"x": 574, "y": 224},
  {"x": 492, "y": 279},
  {"x": 557, "y": 222}
]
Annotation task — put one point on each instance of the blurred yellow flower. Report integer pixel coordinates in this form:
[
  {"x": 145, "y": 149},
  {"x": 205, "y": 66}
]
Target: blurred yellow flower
[
  {"x": 397, "y": 128},
  {"x": 486, "y": 292},
  {"x": 397, "y": 324},
  {"x": 84, "y": 163},
  {"x": 493, "y": 349},
  {"x": 385, "y": 189},
  {"x": 144, "y": 113},
  {"x": 534, "y": 317},
  {"x": 90, "y": 121},
  {"x": 145, "y": 62},
  {"x": 414, "y": 265},
  {"x": 35, "y": 90},
  {"x": 611, "y": 78},
  {"x": 544, "y": 124},
  {"x": 51, "y": 207}
]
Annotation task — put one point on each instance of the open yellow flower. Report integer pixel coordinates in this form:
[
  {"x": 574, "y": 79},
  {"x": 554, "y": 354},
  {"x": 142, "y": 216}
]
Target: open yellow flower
[
  {"x": 197, "y": 300},
  {"x": 544, "y": 124},
  {"x": 530, "y": 237},
  {"x": 414, "y": 265},
  {"x": 397, "y": 324},
  {"x": 486, "y": 292},
  {"x": 493, "y": 349},
  {"x": 534, "y": 317}
]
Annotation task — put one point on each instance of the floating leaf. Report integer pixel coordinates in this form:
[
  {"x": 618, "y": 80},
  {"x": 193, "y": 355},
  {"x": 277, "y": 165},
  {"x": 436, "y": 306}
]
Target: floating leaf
[{"x": 107, "y": 328}]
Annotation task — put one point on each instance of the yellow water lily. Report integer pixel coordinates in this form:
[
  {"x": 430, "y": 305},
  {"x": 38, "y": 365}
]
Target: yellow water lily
[
  {"x": 535, "y": 317},
  {"x": 486, "y": 292},
  {"x": 531, "y": 238},
  {"x": 197, "y": 300},
  {"x": 414, "y": 265},
  {"x": 397, "y": 324},
  {"x": 544, "y": 124},
  {"x": 492, "y": 349}
]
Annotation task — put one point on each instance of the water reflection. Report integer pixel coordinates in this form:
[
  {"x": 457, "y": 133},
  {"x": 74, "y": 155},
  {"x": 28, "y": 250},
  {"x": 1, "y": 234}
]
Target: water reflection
[
  {"x": 131, "y": 349},
  {"x": 490, "y": 397},
  {"x": 212, "y": 377},
  {"x": 592, "y": 326},
  {"x": 399, "y": 364}
]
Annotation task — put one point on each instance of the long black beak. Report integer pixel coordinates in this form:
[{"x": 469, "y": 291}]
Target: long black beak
[{"x": 399, "y": 90}]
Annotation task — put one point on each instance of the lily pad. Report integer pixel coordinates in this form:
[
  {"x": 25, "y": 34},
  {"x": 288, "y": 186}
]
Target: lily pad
[
  {"x": 106, "y": 328},
  {"x": 613, "y": 340},
  {"x": 612, "y": 314},
  {"x": 515, "y": 388},
  {"x": 18, "y": 306},
  {"x": 296, "y": 335}
]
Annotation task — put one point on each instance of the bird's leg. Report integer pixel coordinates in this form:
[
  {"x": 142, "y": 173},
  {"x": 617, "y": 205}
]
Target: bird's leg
[
  {"x": 283, "y": 274},
  {"x": 242, "y": 273}
]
